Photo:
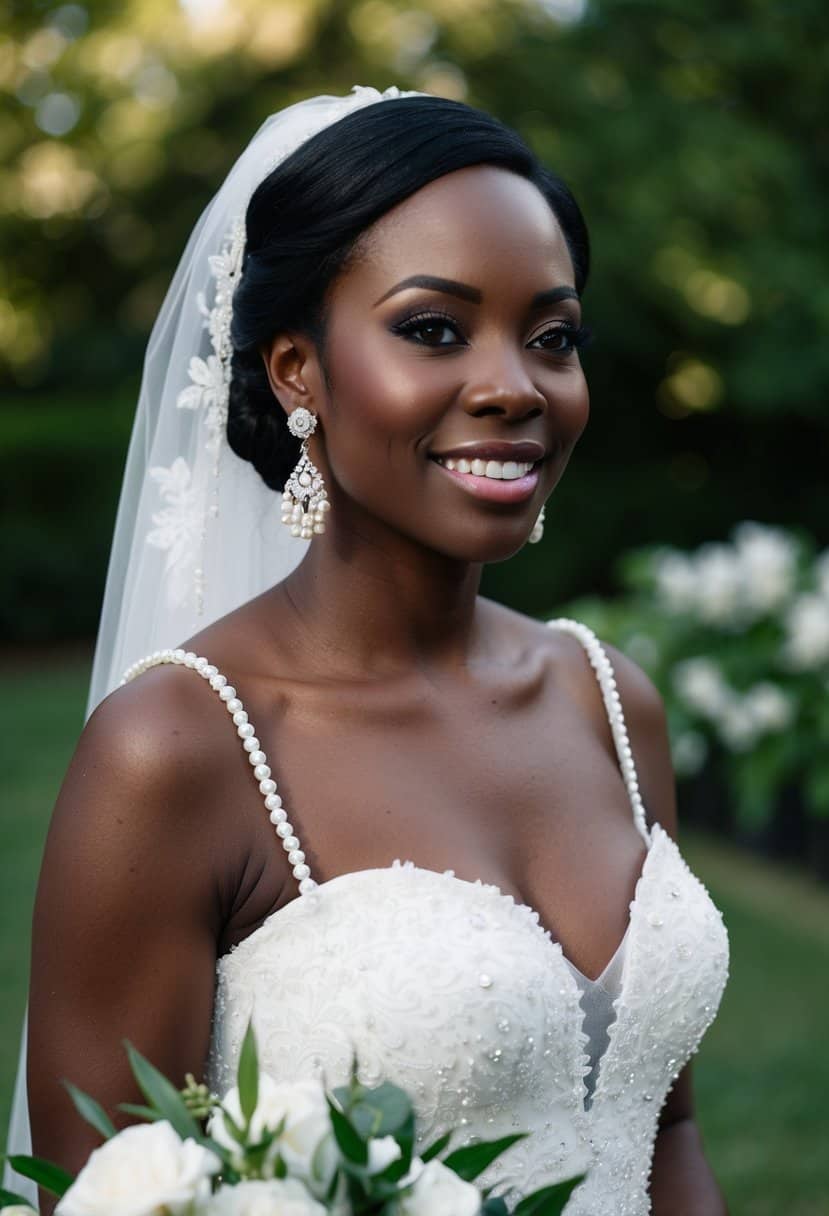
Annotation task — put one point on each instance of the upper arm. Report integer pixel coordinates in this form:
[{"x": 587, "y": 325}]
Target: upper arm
[{"x": 127, "y": 910}]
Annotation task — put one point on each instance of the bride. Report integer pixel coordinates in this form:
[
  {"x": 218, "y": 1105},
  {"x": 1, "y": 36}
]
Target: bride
[{"x": 359, "y": 800}]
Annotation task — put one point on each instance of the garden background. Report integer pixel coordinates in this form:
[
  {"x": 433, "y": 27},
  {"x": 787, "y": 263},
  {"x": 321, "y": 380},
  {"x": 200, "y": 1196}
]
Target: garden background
[{"x": 694, "y": 136}]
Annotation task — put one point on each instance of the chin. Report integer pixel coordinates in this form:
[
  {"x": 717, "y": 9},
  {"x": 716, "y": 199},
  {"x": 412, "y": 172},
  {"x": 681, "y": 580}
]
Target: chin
[{"x": 490, "y": 548}]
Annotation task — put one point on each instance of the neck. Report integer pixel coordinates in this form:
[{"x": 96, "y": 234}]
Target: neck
[{"x": 381, "y": 605}]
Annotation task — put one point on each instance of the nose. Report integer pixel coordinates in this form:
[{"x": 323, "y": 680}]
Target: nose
[{"x": 501, "y": 386}]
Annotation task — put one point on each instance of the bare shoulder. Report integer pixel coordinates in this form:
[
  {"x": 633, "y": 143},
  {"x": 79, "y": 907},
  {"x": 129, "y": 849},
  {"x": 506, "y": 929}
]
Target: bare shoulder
[
  {"x": 149, "y": 785},
  {"x": 160, "y": 730},
  {"x": 642, "y": 705}
]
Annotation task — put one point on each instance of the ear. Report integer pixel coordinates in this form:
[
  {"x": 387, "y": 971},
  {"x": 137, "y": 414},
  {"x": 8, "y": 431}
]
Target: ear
[{"x": 294, "y": 374}]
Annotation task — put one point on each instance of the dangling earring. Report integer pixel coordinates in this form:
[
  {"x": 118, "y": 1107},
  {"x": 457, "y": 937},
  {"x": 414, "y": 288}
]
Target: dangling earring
[
  {"x": 304, "y": 500},
  {"x": 538, "y": 529}
]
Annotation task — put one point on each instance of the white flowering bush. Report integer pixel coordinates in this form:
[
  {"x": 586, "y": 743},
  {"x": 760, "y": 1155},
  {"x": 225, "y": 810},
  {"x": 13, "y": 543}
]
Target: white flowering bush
[
  {"x": 269, "y": 1149},
  {"x": 736, "y": 636}
]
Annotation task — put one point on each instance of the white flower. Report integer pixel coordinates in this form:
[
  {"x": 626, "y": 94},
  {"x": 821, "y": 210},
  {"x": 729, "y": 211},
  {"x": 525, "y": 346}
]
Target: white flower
[
  {"x": 767, "y": 561},
  {"x": 306, "y": 1145},
  {"x": 381, "y": 1153},
  {"x": 278, "y": 1197},
  {"x": 769, "y": 707},
  {"x": 19, "y": 1209},
  {"x": 807, "y": 626},
  {"x": 145, "y": 1170},
  {"x": 676, "y": 582},
  {"x": 700, "y": 684},
  {"x": 719, "y": 584},
  {"x": 438, "y": 1191}
]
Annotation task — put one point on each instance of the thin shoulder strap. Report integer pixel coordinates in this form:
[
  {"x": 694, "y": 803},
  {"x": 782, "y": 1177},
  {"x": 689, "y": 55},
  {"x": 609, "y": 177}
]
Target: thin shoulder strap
[
  {"x": 245, "y": 730},
  {"x": 613, "y": 706}
]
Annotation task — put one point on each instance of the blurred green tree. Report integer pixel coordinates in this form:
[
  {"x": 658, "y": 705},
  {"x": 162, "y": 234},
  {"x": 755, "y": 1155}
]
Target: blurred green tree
[{"x": 693, "y": 136}]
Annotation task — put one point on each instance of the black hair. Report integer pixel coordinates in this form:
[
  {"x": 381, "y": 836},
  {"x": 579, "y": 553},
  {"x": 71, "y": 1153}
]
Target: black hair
[{"x": 305, "y": 220}]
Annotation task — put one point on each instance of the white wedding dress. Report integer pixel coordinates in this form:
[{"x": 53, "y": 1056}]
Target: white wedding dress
[{"x": 454, "y": 991}]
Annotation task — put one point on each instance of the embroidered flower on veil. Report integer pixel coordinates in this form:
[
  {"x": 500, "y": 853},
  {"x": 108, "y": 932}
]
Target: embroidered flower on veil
[{"x": 179, "y": 525}]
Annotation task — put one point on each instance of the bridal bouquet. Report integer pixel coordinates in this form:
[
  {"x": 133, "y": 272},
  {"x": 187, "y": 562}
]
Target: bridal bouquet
[{"x": 269, "y": 1149}]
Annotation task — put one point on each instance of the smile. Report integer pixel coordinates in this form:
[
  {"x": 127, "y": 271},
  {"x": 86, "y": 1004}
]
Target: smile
[
  {"x": 498, "y": 470},
  {"x": 504, "y": 481}
]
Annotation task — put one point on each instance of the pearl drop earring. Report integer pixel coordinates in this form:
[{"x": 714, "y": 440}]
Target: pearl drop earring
[
  {"x": 538, "y": 529},
  {"x": 304, "y": 500}
]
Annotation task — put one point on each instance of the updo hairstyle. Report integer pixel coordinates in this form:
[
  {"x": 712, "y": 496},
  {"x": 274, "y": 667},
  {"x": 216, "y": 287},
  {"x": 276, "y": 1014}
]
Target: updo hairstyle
[{"x": 306, "y": 217}]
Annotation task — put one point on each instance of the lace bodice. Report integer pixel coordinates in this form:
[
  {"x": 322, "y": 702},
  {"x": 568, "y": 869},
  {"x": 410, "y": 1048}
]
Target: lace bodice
[{"x": 457, "y": 993}]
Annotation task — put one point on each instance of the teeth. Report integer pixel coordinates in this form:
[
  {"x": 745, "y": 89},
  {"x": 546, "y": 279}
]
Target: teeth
[{"x": 498, "y": 470}]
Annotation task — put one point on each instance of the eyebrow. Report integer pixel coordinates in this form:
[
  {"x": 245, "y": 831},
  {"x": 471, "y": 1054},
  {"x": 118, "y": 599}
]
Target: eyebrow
[{"x": 464, "y": 292}]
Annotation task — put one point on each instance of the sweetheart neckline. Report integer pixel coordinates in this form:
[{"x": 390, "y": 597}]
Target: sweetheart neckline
[
  {"x": 503, "y": 896},
  {"x": 589, "y": 1105}
]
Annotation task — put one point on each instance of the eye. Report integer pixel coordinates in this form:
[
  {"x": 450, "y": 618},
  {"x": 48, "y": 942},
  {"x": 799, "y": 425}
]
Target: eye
[
  {"x": 562, "y": 339},
  {"x": 430, "y": 329}
]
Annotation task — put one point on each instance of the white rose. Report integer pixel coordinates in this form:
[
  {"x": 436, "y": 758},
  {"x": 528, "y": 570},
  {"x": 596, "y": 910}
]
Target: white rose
[
  {"x": 278, "y": 1197},
  {"x": 145, "y": 1170},
  {"x": 307, "y": 1144},
  {"x": 381, "y": 1152},
  {"x": 438, "y": 1191}
]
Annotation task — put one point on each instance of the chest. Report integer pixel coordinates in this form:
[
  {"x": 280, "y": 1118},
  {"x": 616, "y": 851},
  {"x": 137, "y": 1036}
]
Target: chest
[{"x": 511, "y": 780}]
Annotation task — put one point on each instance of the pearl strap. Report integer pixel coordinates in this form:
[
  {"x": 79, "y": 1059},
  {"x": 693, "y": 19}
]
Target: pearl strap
[
  {"x": 607, "y": 683},
  {"x": 267, "y": 786},
  {"x": 245, "y": 730}
]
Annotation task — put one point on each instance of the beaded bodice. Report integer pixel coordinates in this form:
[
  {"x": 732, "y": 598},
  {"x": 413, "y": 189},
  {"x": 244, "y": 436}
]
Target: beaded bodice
[{"x": 457, "y": 993}]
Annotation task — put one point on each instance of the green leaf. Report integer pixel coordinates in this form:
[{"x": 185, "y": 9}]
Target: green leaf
[
  {"x": 471, "y": 1160},
  {"x": 437, "y": 1147},
  {"x": 142, "y": 1112},
  {"x": 91, "y": 1110},
  {"x": 162, "y": 1095},
  {"x": 7, "y": 1198},
  {"x": 50, "y": 1177},
  {"x": 247, "y": 1075},
  {"x": 383, "y": 1110},
  {"x": 550, "y": 1200},
  {"x": 233, "y": 1129},
  {"x": 351, "y": 1145}
]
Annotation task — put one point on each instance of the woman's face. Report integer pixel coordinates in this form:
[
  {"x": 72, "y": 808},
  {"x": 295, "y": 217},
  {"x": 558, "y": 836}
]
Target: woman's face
[{"x": 450, "y": 340}]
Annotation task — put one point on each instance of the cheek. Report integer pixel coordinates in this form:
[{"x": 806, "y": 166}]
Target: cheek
[
  {"x": 380, "y": 396},
  {"x": 569, "y": 399}
]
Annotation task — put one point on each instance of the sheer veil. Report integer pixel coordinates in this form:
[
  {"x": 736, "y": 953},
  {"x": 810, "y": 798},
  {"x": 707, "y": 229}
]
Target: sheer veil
[{"x": 197, "y": 531}]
